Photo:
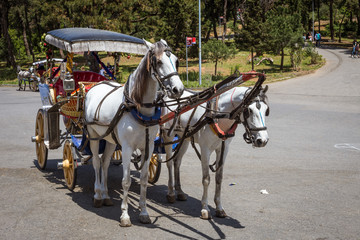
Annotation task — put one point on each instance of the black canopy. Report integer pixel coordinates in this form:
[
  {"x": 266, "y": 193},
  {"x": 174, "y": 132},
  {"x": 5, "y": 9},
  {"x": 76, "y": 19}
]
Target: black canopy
[{"x": 89, "y": 39}]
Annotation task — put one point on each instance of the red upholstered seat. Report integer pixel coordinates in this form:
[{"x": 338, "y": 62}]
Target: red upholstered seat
[{"x": 79, "y": 76}]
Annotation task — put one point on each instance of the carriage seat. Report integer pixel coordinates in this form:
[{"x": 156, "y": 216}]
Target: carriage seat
[{"x": 79, "y": 76}]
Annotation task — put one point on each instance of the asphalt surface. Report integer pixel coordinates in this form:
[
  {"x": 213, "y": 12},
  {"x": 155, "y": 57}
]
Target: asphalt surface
[{"x": 310, "y": 168}]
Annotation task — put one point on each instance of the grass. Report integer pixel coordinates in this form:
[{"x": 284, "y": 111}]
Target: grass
[{"x": 239, "y": 62}]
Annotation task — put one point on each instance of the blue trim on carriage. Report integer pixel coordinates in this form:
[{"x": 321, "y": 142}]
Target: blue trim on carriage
[
  {"x": 142, "y": 118},
  {"x": 158, "y": 145},
  {"x": 79, "y": 143}
]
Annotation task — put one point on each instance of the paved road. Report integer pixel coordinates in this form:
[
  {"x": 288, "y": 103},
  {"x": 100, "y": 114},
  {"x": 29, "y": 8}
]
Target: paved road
[{"x": 310, "y": 167}]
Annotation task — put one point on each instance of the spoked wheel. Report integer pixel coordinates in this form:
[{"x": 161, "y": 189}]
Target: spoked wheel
[
  {"x": 154, "y": 169},
  {"x": 34, "y": 85},
  {"x": 41, "y": 149},
  {"x": 69, "y": 166}
]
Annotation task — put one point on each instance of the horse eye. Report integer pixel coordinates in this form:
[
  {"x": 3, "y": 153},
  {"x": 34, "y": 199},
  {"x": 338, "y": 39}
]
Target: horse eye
[{"x": 159, "y": 62}]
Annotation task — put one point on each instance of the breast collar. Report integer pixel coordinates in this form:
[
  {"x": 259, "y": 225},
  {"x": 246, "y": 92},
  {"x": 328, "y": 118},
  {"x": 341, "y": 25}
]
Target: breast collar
[
  {"x": 145, "y": 120},
  {"x": 220, "y": 133}
]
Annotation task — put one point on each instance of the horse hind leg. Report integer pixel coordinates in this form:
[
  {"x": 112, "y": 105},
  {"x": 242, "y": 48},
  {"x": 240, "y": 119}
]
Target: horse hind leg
[{"x": 94, "y": 146}]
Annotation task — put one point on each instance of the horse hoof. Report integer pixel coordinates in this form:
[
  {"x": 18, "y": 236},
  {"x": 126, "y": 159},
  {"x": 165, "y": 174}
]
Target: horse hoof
[
  {"x": 170, "y": 198},
  {"x": 145, "y": 219},
  {"x": 220, "y": 214},
  {"x": 182, "y": 196},
  {"x": 98, "y": 203},
  {"x": 205, "y": 214},
  {"x": 125, "y": 222},
  {"x": 107, "y": 202}
]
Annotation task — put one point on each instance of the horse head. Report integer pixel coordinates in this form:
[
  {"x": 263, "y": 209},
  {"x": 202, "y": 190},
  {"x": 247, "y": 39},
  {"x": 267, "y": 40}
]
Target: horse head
[
  {"x": 163, "y": 65},
  {"x": 254, "y": 120}
]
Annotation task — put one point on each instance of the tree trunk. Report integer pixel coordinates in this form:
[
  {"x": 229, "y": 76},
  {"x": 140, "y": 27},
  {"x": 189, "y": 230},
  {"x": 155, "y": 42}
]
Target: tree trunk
[
  {"x": 214, "y": 28},
  {"x": 29, "y": 33},
  {"x": 358, "y": 19},
  {"x": 282, "y": 59},
  {"x": 225, "y": 10},
  {"x": 10, "y": 57},
  {"x": 318, "y": 14},
  {"x": 340, "y": 27},
  {"x": 26, "y": 43},
  {"x": 331, "y": 10},
  {"x": 216, "y": 62},
  {"x": 252, "y": 59}
]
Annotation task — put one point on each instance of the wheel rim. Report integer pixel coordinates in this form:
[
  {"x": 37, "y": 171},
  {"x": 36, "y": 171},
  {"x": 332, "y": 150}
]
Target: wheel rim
[
  {"x": 69, "y": 166},
  {"x": 154, "y": 168},
  {"x": 41, "y": 150}
]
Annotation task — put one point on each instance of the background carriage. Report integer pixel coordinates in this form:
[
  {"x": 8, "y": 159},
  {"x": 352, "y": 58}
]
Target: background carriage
[{"x": 63, "y": 94}]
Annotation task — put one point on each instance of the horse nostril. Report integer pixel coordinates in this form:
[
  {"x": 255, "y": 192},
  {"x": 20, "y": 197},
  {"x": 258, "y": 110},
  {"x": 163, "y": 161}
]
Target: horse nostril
[
  {"x": 175, "y": 90},
  {"x": 259, "y": 142}
]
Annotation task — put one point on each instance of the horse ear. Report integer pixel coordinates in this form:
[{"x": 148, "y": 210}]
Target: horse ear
[
  {"x": 265, "y": 89},
  {"x": 149, "y": 45},
  {"x": 164, "y": 42}
]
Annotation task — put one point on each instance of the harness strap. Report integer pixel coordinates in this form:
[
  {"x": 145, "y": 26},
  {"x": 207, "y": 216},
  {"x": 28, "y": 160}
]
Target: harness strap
[
  {"x": 221, "y": 160},
  {"x": 146, "y": 149},
  {"x": 220, "y": 133}
]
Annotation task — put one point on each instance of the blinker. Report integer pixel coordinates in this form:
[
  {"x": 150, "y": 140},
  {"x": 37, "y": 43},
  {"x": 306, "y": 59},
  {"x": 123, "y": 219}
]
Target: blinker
[{"x": 258, "y": 105}]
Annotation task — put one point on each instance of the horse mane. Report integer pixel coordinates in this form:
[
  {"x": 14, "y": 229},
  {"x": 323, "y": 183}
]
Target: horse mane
[{"x": 143, "y": 73}]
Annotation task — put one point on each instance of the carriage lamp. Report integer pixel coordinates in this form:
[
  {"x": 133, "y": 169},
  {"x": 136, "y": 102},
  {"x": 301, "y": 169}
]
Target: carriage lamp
[{"x": 68, "y": 84}]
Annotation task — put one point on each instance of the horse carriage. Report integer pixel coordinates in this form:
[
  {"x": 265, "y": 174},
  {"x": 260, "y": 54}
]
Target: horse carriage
[
  {"x": 122, "y": 122},
  {"x": 63, "y": 94}
]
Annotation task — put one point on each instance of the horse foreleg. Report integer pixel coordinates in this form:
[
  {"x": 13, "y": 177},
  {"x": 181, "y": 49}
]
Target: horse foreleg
[
  {"x": 94, "y": 146},
  {"x": 144, "y": 215},
  {"x": 170, "y": 196},
  {"x": 126, "y": 182},
  {"x": 205, "y": 156},
  {"x": 220, "y": 212},
  {"x": 105, "y": 161},
  {"x": 180, "y": 194}
]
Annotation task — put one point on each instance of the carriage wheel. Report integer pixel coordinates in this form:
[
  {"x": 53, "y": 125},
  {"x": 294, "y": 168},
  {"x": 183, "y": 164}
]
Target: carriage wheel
[
  {"x": 41, "y": 149},
  {"x": 69, "y": 166},
  {"x": 116, "y": 157},
  {"x": 154, "y": 169},
  {"x": 34, "y": 85}
]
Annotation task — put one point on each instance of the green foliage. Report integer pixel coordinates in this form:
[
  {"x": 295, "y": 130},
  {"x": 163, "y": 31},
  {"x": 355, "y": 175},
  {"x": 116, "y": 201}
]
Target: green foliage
[
  {"x": 310, "y": 51},
  {"x": 217, "y": 51}
]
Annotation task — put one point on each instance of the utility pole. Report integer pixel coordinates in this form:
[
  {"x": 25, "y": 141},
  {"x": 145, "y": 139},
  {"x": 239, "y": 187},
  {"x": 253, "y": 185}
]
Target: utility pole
[
  {"x": 200, "y": 42},
  {"x": 313, "y": 36}
]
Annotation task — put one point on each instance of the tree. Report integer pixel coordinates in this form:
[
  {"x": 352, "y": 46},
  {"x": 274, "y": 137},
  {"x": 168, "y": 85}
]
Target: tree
[
  {"x": 252, "y": 33},
  {"x": 285, "y": 30},
  {"x": 10, "y": 57},
  {"x": 217, "y": 51}
]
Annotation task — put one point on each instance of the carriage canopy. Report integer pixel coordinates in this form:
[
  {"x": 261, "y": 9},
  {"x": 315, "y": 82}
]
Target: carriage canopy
[{"x": 77, "y": 40}]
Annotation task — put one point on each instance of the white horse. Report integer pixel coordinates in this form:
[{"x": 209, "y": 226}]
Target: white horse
[
  {"x": 216, "y": 137},
  {"x": 157, "y": 69},
  {"x": 24, "y": 76}
]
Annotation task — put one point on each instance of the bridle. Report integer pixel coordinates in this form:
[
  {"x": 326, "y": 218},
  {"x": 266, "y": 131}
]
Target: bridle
[
  {"x": 257, "y": 95},
  {"x": 155, "y": 73},
  {"x": 248, "y": 136}
]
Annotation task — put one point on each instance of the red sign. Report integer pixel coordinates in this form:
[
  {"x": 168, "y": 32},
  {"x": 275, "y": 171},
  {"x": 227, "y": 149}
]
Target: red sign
[{"x": 190, "y": 41}]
